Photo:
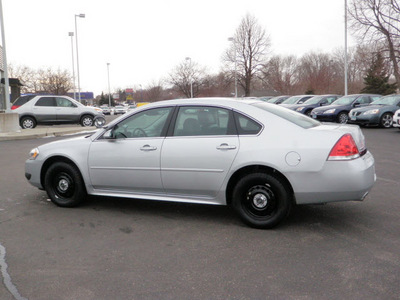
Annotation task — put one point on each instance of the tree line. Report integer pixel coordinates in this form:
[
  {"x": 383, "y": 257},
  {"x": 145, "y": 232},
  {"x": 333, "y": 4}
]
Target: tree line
[{"x": 248, "y": 67}]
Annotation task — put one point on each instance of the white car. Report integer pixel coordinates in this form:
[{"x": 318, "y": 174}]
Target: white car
[
  {"x": 53, "y": 109},
  {"x": 396, "y": 119},
  {"x": 258, "y": 157},
  {"x": 119, "y": 109}
]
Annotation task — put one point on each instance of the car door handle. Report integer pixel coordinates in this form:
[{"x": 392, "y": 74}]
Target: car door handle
[
  {"x": 226, "y": 147},
  {"x": 148, "y": 148}
]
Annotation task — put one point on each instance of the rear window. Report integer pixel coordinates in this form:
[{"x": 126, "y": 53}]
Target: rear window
[
  {"x": 23, "y": 99},
  {"x": 289, "y": 115}
]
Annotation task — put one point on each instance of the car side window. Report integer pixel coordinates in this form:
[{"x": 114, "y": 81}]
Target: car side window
[
  {"x": 246, "y": 126},
  {"x": 148, "y": 123},
  {"x": 331, "y": 99},
  {"x": 45, "y": 101},
  {"x": 62, "y": 102},
  {"x": 364, "y": 100},
  {"x": 197, "y": 121}
]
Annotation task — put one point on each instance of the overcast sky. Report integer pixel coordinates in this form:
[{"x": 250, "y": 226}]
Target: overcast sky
[{"x": 144, "y": 40}]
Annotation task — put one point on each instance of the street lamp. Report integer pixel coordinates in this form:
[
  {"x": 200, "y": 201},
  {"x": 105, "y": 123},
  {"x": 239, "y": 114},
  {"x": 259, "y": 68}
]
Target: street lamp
[
  {"x": 231, "y": 39},
  {"x": 3, "y": 62},
  {"x": 71, "y": 34},
  {"x": 191, "y": 79},
  {"x": 77, "y": 56},
  {"x": 109, "y": 90},
  {"x": 345, "y": 47}
]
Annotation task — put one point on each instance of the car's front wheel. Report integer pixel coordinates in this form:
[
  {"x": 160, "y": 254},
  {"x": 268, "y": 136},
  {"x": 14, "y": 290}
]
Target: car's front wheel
[
  {"x": 27, "y": 123},
  {"x": 386, "y": 120},
  {"x": 261, "y": 200},
  {"x": 87, "y": 121},
  {"x": 343, "y": 118},
  {"x": 64, "y": 184}
]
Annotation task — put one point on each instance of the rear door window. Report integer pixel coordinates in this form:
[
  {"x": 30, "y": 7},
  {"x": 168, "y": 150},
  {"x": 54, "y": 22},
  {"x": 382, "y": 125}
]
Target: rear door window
[{"x": 46, "y": 101}]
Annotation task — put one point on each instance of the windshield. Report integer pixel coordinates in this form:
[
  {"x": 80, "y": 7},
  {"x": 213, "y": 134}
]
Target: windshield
[
  {"x": 292, "y": 100},
  {"x": 289, "y": 115},
  {"x": 346, "y": 100},
  {"x": 313, "y": 100},
  {"x": 388, "y": 100}
]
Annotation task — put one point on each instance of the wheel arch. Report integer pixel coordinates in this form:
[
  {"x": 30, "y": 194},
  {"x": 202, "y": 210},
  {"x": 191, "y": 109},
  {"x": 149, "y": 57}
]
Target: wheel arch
[
  {"x": 254, "y": 169},
  {"x": 55, "y": 159},
  {"x": 27, "y": 115}
]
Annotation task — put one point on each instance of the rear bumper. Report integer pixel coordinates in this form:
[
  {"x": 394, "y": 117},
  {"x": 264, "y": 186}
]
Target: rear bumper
[{"x": 337, "y": 181}]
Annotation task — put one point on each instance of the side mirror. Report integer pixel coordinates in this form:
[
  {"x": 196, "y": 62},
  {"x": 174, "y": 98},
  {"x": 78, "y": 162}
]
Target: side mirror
[
  {"x": 99, "y": 121},
  {"x": 357, "y": 104}
]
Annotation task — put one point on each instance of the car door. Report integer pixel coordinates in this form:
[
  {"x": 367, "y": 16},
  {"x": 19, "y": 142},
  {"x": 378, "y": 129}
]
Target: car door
[
  {"x": 67, "y": 111},
  {"x": 44, "y": 110},
  {"x": 127, "y": 157},
  {"x": 198, "y": 152}
]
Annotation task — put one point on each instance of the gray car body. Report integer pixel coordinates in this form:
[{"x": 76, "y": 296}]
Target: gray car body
[
  {"x": 196, "y": 169},
  {"x": 55, "y": 114}
]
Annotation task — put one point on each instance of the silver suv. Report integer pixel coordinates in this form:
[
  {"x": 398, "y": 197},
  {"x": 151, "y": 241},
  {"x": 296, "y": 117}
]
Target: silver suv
[{"x": 53, "y": 109}]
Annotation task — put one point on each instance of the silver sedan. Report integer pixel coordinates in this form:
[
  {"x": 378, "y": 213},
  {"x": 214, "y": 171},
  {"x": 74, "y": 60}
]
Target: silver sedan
[{"x": 257, "y": 157}]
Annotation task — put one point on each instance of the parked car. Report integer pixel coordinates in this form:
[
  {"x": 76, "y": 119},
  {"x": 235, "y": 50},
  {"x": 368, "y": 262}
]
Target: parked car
[
  {"x": 296, "y": 100},
  {"x": 380, "y": 112},
  {"x": 265, "y": 98},
  {"x": 119, "y": 109},
  {"x": 106, "y": 110},
  {"x": 131, "y": 107},
  {"x": 53, "y": 109},
  {"x": 258, "y": 157},
  {"x": 277, "y": 99},
  {"x": 339, "y": 110},
  {"x": 396, "y": 119},
  {"x": 317, "y": 101}
]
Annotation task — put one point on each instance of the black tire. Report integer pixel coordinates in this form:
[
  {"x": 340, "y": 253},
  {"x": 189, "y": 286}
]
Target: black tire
[
  {"x": 386, "y": 120},
  {"x": 87, "y": 121},
  {"x": 64, "y": 185},
  {"x": 261, "y": 200},
  {"x": 27, "y": 123},
  {"x": 342, "y": 118}
]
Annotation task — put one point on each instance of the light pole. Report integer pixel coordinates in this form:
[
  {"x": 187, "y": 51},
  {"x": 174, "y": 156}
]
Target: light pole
[
  {"x": 3, "y": 63},
  {"x": 231, "y": 39},
  {"x": 77, "y": 55},
  {"x": 345, "y": 47},
  {"x": 71, "y": 34},
  {"x": 109, "y": 90},
  {"x": 191, "y": 79}
]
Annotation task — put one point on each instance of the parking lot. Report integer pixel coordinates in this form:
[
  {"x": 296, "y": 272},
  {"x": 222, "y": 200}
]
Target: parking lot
[{"x": 126, "y": 249}]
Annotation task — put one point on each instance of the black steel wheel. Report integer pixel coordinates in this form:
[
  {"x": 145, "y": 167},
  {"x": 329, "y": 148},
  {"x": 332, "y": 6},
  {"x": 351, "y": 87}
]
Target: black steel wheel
[
  {"x": 64, "y": 185},
  {"x": 261, "y": 200}
]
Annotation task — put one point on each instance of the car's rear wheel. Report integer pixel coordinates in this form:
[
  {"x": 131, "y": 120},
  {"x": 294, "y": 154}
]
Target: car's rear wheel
[
  {"x": 261, "y": 200},
  {"x": 87, "y": 121},
  {"x": 343, "y": 118},
  {"x": 386, "y": 120},
  {"x": 64, "y": 184},
  {"x": 27, "y": 123}
]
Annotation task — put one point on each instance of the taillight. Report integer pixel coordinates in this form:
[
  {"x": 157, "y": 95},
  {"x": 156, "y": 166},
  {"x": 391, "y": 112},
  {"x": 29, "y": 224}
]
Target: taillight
[
  {"x": 344, "y": 149},
  {"x": 15, "y": 106}
]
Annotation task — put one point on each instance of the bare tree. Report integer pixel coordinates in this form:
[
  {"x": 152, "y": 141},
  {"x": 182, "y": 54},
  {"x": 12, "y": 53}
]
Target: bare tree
[
  {"x": 55, "y": 82},
  {"x": 378, "y": 21},
  {"x": 154, "y": 91},
  {"x": 248, "y": 51},
  {"x": 188, "y": 76},
  {"x": 280, "y": 74}
]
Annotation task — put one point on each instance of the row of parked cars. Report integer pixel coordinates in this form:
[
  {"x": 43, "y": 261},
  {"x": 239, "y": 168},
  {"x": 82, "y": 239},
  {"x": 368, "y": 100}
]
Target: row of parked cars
[{"x": 361, "y": 109}]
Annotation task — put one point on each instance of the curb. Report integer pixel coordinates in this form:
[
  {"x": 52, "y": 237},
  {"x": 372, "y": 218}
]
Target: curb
[{"x": 25, "y": 134}]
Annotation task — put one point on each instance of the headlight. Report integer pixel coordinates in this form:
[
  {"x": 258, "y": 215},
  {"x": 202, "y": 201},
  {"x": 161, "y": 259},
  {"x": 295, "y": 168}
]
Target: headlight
[
  {"x": 371, "y": 112},
  {"x": 34, "y": 153},
  {"x": 98, "y": 109},
  {"x": 330, "y": 111},
  {"x": 300, "y": 108}
]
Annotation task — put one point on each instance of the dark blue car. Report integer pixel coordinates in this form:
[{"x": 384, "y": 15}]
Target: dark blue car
[
  {"x": 339, "y": 110},
  {"x": 316, "y": 101}
]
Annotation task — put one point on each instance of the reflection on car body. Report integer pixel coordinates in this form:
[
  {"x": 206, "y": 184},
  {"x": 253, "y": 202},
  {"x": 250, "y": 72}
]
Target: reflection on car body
[{"x": 257, "y": 157}]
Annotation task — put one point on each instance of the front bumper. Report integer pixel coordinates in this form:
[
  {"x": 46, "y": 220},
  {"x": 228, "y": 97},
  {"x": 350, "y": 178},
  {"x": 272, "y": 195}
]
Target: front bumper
[{"x": 364, "y": 119}]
